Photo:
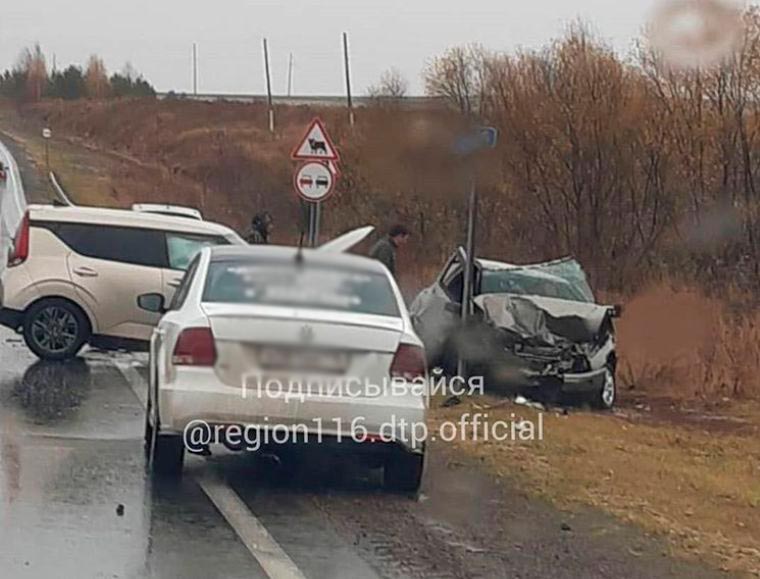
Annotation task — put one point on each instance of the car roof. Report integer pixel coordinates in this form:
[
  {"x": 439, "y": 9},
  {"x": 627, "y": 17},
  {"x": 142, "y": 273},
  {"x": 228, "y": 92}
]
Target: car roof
[
  {"x": 166, "y": 209},
  {"x": 126, "y": 218},
  {"x": 284, "y": 253},
  {"x": 490, "y": 264},
  {"x": 493, "y": 265}
]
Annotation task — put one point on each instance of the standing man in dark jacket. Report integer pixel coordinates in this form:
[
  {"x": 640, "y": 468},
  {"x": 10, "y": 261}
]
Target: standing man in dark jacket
[
  {"x": 385, "y": 249},
  {"x": 261, "y": 228}
]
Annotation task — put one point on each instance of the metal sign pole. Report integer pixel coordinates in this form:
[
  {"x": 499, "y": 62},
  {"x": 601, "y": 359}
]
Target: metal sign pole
[
  {"x": 317, "y": 221},
  {"x": 469, "y": 269},
  {"x": 466, "y": 146},
  {"x": 310, "y": 235}
]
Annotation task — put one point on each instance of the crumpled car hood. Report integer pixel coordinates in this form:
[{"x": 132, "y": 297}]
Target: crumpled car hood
[{"x": 544, "y": 321}]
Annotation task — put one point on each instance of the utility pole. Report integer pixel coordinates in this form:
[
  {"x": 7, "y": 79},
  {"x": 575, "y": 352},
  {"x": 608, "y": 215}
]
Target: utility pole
[
  {"x": 347, "y": 66},
  {"x": 290, "y": 75},
  {"x": 269, "y": 87},
  {"x": 195, "y": 69}
]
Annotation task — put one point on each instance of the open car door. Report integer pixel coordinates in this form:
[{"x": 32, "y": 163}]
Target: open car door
[{"x": 347, "y": 241}]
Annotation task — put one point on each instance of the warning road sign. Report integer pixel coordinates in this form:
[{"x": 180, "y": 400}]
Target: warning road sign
[
  {"x": 314, "y": 181},
  {"x": 316, "y": 144}
]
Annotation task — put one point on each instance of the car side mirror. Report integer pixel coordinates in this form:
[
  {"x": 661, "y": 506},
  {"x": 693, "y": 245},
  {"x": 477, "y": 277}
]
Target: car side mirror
[
  {"x": 617, "y": 310},
  {"x": 154, "y": 303}
]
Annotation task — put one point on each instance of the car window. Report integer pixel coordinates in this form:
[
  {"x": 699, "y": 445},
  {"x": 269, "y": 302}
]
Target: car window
[
  {"x": 180, "y": 296},
  {"x": 526, "y": 282},
  {"x": 183, "y": 247},
  {"x": 449, "y": 271},
  {"x": 317, "y": 287},
  {"x": 570, "y": 271},
  {"x": 130, "y": 245}
]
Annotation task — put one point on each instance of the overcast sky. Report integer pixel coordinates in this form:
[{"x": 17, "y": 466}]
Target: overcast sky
[{"x": 156, "y": 35}]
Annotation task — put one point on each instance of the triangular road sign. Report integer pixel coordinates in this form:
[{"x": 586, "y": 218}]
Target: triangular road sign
[{"x": 316, "y": 144}]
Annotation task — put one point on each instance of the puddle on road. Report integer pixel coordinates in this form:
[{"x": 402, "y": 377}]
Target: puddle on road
[{"x": 48, "y": 392}]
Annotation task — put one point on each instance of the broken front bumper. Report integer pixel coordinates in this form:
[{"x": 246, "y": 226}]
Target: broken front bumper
[
  {"x": 583, "y": 382},
  {"x": 525, "y": 377}
]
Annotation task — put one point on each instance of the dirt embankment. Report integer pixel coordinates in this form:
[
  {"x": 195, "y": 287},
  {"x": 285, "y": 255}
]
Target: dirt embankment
[{"x": 396, "y": 165}]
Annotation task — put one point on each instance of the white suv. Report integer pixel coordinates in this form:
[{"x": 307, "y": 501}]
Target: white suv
[{"x": 74, "y": 275}]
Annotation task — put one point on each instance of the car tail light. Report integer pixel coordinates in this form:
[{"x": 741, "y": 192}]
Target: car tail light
[
  {"x": 20, "y": 250},
  {"x": 409, "y": 363},
  {"x": 195, "y": 347}
]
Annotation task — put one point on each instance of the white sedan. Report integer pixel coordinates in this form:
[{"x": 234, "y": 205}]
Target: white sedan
[{"x": 263, "y": 341}]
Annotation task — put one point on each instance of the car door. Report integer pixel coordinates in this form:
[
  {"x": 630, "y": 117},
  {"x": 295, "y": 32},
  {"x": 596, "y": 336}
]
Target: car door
[
  {"x": 110, "y": 266},
  {"x": 166, "y": 332},
  {"x": 181, "y": 250},
  {"x": 436, "y": 311}
]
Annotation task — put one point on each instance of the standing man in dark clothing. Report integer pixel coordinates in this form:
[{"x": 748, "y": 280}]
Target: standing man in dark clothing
[
  {"x": 385, "y": 249},
  {"x": 261, "y": 228}
]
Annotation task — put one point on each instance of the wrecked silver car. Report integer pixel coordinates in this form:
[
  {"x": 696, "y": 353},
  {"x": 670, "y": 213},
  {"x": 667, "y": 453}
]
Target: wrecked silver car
[{"x": 535, "y": 329}]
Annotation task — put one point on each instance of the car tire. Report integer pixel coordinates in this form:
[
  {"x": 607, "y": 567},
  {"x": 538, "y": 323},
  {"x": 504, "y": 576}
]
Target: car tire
[
  {"x": 168, "y": 455},
  {"x": 604, "y": 398},
  {"x": 403, "y": 473},
  {"x": 148, "y": 434},
  {"x": 55, "y": 329}
]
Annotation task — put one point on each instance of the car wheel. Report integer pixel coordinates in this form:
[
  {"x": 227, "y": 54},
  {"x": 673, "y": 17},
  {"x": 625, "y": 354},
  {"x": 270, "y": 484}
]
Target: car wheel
[
  {"x": 55, "y": 329},
  {"x": 604, "y": 398},
  {"x": 404, "y": 472},
  {"x": 168, "y": 455}
]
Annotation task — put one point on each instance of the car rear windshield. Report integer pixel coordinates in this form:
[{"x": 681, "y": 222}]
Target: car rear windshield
[{"x": 301, "y": 286}]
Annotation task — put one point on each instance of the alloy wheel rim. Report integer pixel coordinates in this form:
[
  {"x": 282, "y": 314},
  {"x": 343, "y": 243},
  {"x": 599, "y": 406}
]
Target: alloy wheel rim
[
  {"x": 608, "y": 392},
  {"x": 55, "y": 329}
]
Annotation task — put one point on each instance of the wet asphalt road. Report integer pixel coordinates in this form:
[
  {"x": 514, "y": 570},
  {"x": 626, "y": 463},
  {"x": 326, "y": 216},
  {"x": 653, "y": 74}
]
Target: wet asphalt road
[{"x": 71, "y": 454}]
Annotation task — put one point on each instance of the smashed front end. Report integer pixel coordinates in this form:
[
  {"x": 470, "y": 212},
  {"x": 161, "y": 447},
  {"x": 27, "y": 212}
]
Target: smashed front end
[{"x": 532, "y": 342}]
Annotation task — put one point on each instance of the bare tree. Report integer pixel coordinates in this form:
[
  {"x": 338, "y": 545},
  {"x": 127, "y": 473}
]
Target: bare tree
[
  {"x": 459, "y": 76},
  {"x": 391, "y": 86}
]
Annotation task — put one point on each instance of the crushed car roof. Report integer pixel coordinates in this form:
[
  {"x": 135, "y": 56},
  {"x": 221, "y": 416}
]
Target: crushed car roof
[{"x": 494, "y": 265}]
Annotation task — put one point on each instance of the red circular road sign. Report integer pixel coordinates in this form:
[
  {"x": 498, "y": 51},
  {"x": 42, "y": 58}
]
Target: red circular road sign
[{"x": 314, "y": 181}]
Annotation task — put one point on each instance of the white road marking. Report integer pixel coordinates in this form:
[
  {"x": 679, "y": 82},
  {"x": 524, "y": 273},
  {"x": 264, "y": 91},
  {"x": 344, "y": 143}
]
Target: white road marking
[
  {"x": 136, "y": 382},
  {"x": 273, "y": 559},
  {"x": 275, "y": 562}
]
